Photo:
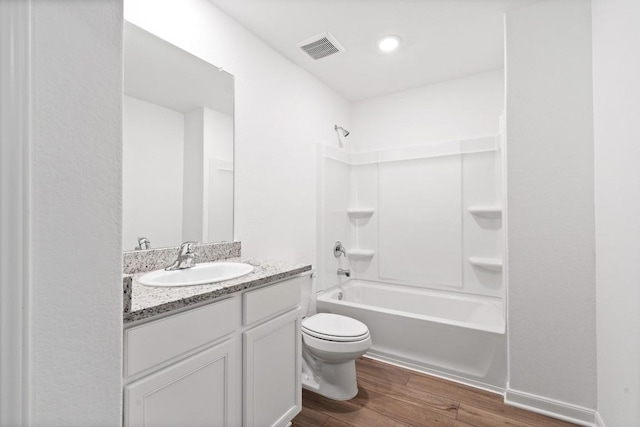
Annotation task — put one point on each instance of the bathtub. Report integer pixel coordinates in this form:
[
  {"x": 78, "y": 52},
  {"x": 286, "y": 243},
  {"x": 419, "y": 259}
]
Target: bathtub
[{"x": 454, "y": 336}]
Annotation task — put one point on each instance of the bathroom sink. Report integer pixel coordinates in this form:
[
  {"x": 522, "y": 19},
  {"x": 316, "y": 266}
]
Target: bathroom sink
[{"x": 208, "y": 272}]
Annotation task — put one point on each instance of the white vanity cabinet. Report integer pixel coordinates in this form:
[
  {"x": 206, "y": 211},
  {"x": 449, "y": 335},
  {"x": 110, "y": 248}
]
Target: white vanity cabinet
[
  {"x": 192, "y": 392},
  {"x": 233, "y": 362},
  {"x": 184, "y": 369},
  {"x": 272, "y": 384}
]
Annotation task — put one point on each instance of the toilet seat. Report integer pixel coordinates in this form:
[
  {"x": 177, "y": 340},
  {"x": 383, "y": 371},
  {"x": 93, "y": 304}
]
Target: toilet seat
[
  {"x": 334, "y": 327},
  {"x": 340, "y": 350}
]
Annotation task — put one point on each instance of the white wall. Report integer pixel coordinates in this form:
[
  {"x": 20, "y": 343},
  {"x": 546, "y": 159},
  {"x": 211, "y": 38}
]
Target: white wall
[
  {"x": 220, "y": 202},
  {"x": 166, "y": 163},
  {"x": 152, "y": 174},
  {"x": 218, "y": 135},
  {"x": 193, "y": 182},
  {"x": 281, "y": 111},
  {"x": 450, "y": 110},
  {"x": 76, "y": 226},
  {"x": 218, "y": 176},
  {"x": 616, "y": 43},
  {"x": 208, "y": 176},
  {"x": 551, "y": 248}
]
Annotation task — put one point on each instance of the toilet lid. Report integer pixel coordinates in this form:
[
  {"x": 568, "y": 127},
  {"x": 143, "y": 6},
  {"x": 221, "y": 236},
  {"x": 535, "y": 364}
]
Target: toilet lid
[{"x": 334, "y": 327}]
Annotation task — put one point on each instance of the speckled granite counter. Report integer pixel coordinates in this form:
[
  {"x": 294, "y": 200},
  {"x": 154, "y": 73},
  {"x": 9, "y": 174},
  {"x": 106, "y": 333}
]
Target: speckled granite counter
[{"x": 143, "y": 302}]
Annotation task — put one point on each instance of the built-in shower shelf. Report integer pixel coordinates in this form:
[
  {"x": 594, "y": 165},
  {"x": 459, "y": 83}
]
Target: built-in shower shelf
[
  {"x": 360, "y": 254},
  {"x": 360, "y": 213},
  {"x": 486, "y": 211},
  {"x": 494, "y": 264}
]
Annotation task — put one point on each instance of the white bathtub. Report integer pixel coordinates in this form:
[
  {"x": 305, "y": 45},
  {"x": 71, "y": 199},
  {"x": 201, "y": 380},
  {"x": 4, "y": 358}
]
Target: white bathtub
[{"x": 454, "y": 336}]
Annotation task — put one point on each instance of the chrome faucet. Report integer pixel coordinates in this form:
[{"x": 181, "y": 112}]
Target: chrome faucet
[
  {"x": 143, "y": 243},
  {"x": 344, "y": 272},
  {"x": 186, "y": 257},
  {"x": 339, "y": 250}
]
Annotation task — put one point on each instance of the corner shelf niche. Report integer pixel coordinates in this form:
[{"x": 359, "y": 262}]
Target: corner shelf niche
[
  {"x": 360, "y": 213},
  {"x": 360, "y": 254},
  {"x": 493, "y": 264},
  {"x": 486, "y": 211}
]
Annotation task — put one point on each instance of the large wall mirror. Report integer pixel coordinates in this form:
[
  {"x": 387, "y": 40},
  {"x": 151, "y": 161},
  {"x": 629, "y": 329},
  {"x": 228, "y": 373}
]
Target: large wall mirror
[{"x": 178, "y": 145}]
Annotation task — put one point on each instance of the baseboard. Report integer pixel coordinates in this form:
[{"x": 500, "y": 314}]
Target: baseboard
[
  {"x": 551, "y": 408},
  {"x": 393, "y": 360},
  {"x": 599, "y": 421}
]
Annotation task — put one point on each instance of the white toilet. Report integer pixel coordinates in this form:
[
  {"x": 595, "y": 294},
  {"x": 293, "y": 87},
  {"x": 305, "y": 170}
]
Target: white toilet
[{"x": 331, "y": 344}]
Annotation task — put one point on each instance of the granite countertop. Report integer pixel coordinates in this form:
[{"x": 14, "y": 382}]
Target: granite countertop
[{"x": 143, "y": 302}]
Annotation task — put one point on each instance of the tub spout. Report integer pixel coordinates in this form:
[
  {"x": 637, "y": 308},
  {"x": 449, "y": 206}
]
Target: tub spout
[{"x": 344, "y": 272}]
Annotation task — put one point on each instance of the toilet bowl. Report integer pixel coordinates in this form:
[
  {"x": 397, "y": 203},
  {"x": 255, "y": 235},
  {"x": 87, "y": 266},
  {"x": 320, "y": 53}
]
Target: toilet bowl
[{"x": 331, "y": 344}]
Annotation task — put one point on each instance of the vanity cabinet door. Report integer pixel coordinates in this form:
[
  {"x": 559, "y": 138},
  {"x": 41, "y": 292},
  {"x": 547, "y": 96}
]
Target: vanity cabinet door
[
  {"x": 193, "y": 392},
  {"x": 272, "y": 383}
]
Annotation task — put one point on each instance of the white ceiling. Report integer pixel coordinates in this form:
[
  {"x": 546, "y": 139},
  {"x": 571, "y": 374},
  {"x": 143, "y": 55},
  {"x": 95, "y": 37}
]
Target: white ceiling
[
  {"x": 442, "y": 39},
  {"x": 163, "y": 74}
]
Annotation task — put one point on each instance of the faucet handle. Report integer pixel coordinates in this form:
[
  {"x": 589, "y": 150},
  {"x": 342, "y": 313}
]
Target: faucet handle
[
  {"x": 187, "y": 248},
  {"x": 143, "y": 243},
  {"x": 339, "y": 250},
  {"x": 186, "y": 257}
]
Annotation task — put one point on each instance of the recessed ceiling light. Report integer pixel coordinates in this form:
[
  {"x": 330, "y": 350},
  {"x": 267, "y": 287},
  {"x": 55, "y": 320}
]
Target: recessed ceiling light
[{"x": 389, "y": 43}]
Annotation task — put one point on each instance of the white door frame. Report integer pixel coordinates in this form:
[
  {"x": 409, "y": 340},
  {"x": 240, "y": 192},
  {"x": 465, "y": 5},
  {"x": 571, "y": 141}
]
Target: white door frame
[{"x": 15, "y": 213}]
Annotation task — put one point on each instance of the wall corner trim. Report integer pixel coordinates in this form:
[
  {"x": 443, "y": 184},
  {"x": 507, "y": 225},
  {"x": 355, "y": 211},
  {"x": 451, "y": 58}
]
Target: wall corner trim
[
  {"x": 552, "y": 408},
  {"x": 599, "y": 422},
  {"x": 15, "y": 206}
]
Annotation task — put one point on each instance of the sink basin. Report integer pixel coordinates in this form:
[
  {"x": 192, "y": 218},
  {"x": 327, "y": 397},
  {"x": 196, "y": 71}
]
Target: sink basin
[{"x": 207, "y": 272}]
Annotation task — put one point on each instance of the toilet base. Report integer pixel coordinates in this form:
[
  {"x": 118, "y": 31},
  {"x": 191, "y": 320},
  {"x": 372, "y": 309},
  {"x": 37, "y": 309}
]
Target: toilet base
[{"x": 335, "y": 381}]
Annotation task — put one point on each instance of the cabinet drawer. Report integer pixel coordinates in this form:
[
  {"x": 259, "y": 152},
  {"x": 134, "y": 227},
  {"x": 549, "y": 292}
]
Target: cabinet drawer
[
  {"x": 153, "y": 343},
  {"x": 271, "y": 300}
]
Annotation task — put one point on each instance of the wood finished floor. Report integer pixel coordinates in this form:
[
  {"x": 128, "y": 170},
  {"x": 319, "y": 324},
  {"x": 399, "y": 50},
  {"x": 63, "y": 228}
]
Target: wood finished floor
[{"x": 389, "y": 396}]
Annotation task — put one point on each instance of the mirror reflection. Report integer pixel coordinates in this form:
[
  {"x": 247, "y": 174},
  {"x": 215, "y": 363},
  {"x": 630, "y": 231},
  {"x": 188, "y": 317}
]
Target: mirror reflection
[{"x": 178, "y": 145}]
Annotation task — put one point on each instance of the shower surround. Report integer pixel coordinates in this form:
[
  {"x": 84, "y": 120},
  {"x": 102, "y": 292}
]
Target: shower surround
[
  {"x": 422, "y": 227},
  {"x": 416, "y": 197}
]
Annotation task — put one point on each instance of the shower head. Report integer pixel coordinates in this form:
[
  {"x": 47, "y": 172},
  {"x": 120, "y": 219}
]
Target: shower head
[{"x": 345, "y": 132}]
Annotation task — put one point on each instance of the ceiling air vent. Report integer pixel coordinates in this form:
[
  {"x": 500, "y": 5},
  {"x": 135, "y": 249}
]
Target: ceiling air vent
[{"x": 321, "y": 45}]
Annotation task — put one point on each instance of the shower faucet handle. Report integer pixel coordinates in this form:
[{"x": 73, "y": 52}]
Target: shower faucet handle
[{"x": 339, "y": 250}]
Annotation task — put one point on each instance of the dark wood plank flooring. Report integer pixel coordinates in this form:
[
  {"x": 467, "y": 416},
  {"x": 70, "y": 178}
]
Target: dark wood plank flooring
[{"x": 390, "y": 396}]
